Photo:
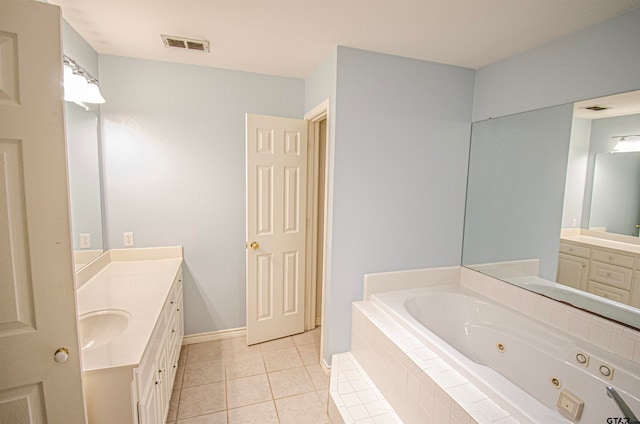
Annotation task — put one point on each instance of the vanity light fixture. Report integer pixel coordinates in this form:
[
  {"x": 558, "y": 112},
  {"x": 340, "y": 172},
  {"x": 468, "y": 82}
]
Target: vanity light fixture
[
  {"x": 80, "y": 86},
  {"x": 626, "y": 143}
]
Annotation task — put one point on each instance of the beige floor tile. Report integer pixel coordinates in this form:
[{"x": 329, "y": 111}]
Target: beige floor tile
[
  {"x": 290, "y": 382},
  {"x": 177, "y": 383},
  {"x": 215, "y": 418},
  {"x": 206, "y": 372},
  {"x": 246, "y": 365},
  {"x": 303, "y": 338},
  {"x": 206, "y": 351},
  {"x": 281, "y": 359},
  {"x": 309, "y": 353},
  {"x": 324, "y": 397},
  {"x": 276, "y": 344},
  {"x": 319, "y": 378},
  {"x": 238, "y": 346},
  {"x": 202, "y": 400},
  {"x": 305, "y": 408},
  {"x": 261, "y": 413},
  {"x": 248, "y": 391},
  {"x": 173, "y": 405}
]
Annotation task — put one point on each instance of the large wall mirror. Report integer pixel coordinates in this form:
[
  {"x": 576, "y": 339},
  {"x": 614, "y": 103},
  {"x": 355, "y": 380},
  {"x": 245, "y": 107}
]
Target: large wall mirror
[
  {"x": 83, "y": 160},
  {"x": 542, "y": 177}
]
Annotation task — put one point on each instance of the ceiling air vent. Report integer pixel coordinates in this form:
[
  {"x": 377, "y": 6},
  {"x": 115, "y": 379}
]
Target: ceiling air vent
[
  {"x": 596, "y": 108},
  {"x": 185, "y": 43}
]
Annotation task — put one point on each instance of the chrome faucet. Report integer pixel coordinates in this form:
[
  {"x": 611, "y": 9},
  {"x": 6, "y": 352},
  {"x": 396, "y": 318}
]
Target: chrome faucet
[{"x": 626, "y": 411}]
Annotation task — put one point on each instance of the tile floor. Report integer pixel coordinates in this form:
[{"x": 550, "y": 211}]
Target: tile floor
[{"x": 228, "y": 382}]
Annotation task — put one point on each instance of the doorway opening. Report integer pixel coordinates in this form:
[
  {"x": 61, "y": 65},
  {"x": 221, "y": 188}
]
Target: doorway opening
[{"x": 318, "y": 153}]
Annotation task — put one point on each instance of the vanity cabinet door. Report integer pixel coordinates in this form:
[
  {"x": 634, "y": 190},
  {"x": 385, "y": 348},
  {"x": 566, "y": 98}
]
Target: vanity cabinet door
[
  {"x": 573, "y": 271},
  {"x": 148, "y": 408},
  {"x": 163, "y": 388}
]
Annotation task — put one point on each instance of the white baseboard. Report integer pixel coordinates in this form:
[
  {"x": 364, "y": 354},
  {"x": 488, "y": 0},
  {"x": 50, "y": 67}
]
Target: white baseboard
[
  {"x": 325, "y": 367},
  {"x": 213, "y": 335}
]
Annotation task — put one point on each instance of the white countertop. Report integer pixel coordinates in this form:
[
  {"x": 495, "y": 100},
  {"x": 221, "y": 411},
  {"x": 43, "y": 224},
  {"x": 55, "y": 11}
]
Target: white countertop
[
  {"x": 602, "y": 242},
  {"x": 139, "y": 287}
]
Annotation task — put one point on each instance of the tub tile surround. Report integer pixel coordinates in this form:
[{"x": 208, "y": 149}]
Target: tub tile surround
[{"x": 419, "y": 386}]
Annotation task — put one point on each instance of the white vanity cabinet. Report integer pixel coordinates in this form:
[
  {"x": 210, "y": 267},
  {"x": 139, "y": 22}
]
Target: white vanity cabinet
[
  {"x": 155, "y": 375},
  {"x": 610, "y": 275},
  {"x": 129, "y": 379},
  {"x": 573, "y": 266},
  {"x": 603, "y": 271}
]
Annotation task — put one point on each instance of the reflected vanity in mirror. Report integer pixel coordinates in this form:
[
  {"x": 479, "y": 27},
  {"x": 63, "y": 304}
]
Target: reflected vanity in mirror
[
  {"x": 547, "y": 201},
  {"x": 83, "y": 161}
]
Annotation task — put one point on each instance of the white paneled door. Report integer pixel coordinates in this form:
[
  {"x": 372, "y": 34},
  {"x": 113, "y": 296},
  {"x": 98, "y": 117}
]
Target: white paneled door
[
  {"x": 37, "y": 300},
  {"x": 276, "y": 154}
]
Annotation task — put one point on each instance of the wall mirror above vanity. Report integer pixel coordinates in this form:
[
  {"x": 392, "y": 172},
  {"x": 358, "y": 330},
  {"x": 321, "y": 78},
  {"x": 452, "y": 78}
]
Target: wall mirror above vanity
[
  {"x": 548, "y": 202},
  {"x": 83, "y": 161}
]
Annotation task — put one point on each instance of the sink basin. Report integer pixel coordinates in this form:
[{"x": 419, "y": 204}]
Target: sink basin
[{"x": 100, "y": 327}]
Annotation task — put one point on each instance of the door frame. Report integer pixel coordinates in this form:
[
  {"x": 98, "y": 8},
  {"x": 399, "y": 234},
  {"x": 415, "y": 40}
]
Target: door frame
[{"x": 314, "y": 117}]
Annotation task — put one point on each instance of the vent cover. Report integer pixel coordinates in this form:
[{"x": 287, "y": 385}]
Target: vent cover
[
  {"x": 171, "y": 41},
  {"x": 596, "y": 108}
]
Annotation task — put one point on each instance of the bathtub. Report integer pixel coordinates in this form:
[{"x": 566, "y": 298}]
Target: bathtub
[{"x": 509, "y": 356}]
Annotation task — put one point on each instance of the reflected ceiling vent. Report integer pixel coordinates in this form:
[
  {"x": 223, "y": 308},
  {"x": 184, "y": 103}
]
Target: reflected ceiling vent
[
  {"x": 596, "y": 108},
  {"x": 185, "y": 43}
]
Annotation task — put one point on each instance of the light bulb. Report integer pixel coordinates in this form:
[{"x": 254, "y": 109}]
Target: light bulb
[{"x": 92, "y": 94}]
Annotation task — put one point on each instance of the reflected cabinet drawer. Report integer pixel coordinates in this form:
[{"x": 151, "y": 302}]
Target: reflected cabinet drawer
[
  {"x": 612, "y": 258},
  {"x": 575, "y": 250},
  {"x": 610, "y": 275},
  {"x": 608, "y": 292}
]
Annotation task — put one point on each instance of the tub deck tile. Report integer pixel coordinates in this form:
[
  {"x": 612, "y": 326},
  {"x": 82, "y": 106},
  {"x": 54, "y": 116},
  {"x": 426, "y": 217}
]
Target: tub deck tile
[{"x": 361, "y": 402}]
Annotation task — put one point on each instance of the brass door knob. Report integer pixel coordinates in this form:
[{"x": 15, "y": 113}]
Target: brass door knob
[
  {"x": 61, "y": 355},
  {"x": 254, "y": 245}
]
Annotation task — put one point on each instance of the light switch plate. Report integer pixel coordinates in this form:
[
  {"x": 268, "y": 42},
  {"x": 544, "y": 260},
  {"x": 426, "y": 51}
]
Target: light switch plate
[{"x": 85, "y": 241}]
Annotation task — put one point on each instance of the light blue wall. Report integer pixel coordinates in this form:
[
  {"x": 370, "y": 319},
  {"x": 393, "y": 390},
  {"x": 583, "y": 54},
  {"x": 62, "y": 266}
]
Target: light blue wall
[
  {"x": 600, "y": 60},
  {"x": 576, "y": 173},
  {"x": 622, "y": 198},
  {"x": 401, "y": 148},
  {"x": 74, "y": 46},
  {"x": 321, "y": 83},
  {"x": 174, "y": 146},
  {"x": 616, "y": 193},
  {"x": 174, "y": 160},
  {"x": 517, "y": 173}
]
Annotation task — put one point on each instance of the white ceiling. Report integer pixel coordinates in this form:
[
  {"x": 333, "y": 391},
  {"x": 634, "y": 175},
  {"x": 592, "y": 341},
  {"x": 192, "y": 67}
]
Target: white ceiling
[{"x": 291, "y": 37}]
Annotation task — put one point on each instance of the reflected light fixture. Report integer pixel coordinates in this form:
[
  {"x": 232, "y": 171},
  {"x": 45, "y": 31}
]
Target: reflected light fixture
[
  {"x": 80, "y": 86},
  {"x": 626, "y": 143}
]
